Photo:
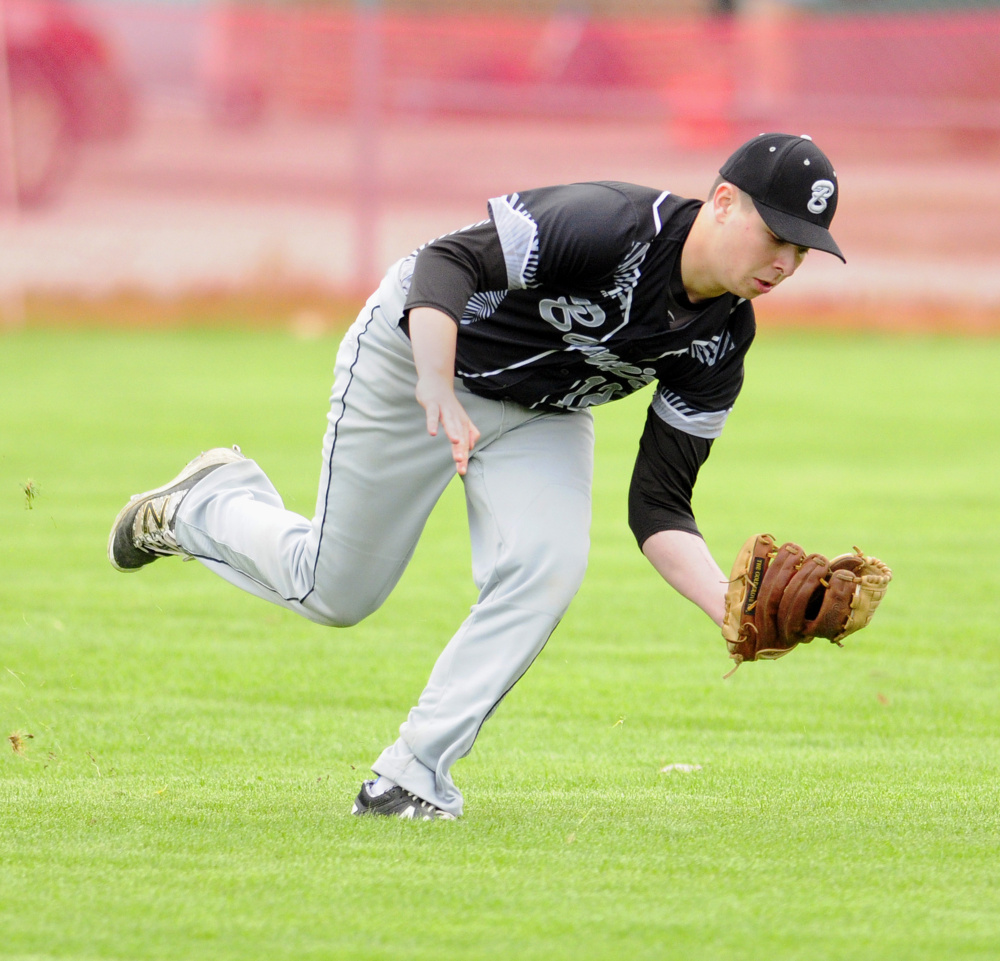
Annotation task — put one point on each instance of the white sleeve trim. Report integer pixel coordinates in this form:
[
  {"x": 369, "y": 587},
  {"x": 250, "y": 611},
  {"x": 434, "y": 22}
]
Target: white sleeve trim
[
  {"x": 672, "y": 410},
  {"x": 656, "y": 210},
  {"x": 518, "y": 238}
]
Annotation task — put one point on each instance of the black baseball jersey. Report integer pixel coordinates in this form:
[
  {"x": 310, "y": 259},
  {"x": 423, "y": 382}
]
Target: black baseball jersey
[{"x": 570, "y": 296}]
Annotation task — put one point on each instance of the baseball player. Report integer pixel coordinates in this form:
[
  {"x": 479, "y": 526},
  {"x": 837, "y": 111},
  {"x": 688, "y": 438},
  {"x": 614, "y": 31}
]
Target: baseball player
[{"x": 482, "y": 353}]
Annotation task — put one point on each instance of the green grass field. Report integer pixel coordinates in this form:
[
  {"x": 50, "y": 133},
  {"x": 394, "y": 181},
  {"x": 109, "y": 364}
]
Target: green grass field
[{"x": 188, "y": 754}]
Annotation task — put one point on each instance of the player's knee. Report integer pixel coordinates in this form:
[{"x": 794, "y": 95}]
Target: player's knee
[
  {"x": 553, "y": 576},
  {"x": 340, "y": 620},
  {"x": 345, "y": 614},
  {"x": 572, "y": 568},
  {"x": 343, "y": 601}
]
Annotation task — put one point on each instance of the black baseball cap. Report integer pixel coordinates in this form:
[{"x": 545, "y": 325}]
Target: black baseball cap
[{"x": 793, "y": 186}]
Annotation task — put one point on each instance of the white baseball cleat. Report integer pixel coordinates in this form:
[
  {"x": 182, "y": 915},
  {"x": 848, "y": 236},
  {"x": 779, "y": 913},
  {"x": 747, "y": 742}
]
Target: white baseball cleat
[{"x": 144, "y": 527}]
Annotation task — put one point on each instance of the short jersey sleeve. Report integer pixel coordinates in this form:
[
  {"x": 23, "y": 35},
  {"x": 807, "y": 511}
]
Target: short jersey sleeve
[
  {"x": 449, "y": 270},
  {"x": 568, "y": 236}
]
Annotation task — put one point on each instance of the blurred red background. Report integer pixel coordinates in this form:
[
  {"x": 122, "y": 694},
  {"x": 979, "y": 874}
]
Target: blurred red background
[{"x": 168, "y": 151}]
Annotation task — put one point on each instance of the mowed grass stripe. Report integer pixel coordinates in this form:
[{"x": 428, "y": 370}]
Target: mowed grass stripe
[{"x": 185, "y": 789}]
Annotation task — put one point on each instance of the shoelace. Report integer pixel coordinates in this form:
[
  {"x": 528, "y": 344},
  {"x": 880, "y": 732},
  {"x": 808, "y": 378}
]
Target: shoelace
[{"x": 157, "y": 538}]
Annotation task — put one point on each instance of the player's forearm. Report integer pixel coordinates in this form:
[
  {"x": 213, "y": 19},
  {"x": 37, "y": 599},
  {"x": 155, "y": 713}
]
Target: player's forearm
[
  {"x": 433, "y": 338},
  {"x": 684, "y": 562}
]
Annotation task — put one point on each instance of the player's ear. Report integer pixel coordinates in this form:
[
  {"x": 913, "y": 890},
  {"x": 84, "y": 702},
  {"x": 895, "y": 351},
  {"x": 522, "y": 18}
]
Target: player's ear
[{"x": 724, "y": 200}]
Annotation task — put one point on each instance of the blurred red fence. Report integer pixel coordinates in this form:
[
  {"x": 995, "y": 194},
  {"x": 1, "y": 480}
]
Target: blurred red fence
[
  {"x": 927, "y": 71},
  {"x": 168, "y": 148}
]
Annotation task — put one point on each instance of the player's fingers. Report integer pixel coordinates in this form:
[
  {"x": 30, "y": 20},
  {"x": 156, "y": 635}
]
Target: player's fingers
[
  {"x": 462, "y": 433},
  {"x": 460, "y": 454},
  {"x": 463, "y": 436},
  {"x": 433, "y": 413}
]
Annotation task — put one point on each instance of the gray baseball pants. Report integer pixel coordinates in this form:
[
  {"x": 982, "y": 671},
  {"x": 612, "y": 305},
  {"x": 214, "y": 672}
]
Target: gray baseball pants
[{"x": 528, "y": 496}]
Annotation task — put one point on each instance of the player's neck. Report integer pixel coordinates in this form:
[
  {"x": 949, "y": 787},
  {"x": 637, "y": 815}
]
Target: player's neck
[{"x": 697, "y": 273}]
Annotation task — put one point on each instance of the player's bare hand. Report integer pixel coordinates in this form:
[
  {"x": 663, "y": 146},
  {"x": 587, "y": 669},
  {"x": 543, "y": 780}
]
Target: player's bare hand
[{"x": 437, "y": 397}]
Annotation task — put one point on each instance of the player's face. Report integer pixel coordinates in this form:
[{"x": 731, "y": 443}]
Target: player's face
[{"x": 755, "y": 260}]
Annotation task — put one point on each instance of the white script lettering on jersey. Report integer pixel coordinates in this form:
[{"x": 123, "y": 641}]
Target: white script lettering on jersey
[
  {"x": 603, "y": 359},
  {"x": 562, "y": 313},
  {"x": 592, "y": 392},
  {"x": 821, "y": 191}
]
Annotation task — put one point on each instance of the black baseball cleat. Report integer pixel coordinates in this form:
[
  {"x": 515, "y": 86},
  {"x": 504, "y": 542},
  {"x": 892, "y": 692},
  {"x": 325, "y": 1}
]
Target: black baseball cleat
[
  {"x": 399, "y": 803},
  {"x": 144, "y": 527}
]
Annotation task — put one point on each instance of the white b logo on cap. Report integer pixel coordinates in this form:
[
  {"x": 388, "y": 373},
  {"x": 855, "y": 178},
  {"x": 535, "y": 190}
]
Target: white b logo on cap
[{"x": 821, "y": 190}]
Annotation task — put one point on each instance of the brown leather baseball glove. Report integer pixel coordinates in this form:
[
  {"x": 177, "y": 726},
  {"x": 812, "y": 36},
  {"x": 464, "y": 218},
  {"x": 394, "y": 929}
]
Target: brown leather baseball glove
[{"x": 780, "y": 597}]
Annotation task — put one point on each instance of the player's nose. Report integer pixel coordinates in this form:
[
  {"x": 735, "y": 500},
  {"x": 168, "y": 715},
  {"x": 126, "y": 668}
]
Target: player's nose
[{"x": 787, "y": 260}]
